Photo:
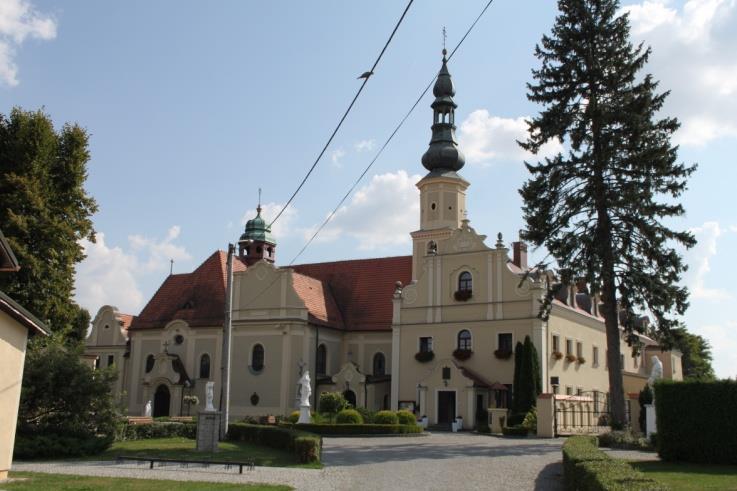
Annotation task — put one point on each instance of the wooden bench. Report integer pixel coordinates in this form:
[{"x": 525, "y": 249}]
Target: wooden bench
[
  {"x": 140, "y": 420},
  {"x": 250, "y": 464}
]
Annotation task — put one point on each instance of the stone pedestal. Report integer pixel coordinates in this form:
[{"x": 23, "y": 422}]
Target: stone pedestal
[
  {"x": 304, "y": 415},
  {"x": 651, "y": 425},
  {"x": 497, "y": 419},
  {"x": 208, "y": 431},
  {"x": 546, "y": 416}
]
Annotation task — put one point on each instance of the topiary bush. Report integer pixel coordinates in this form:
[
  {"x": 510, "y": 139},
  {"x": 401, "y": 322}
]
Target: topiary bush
[
  {"x": 367, "y": 414},
  {"x": 349, "y": 417},
  {"x": 386, "y": 418},
  {"x": 696, "y": 421},
  {"x": 405, "y": 417},
  {"x": 331, "y": 403},
  {"x": 294, "y": 417}
]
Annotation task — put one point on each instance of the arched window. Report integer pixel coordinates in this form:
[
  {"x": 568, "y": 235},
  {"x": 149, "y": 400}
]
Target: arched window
[
  {"x": 379, "y": 364},
  {"x": 465, "y": 282},
  {"x": 464, "y": 340},
  {"x": 150, "y": 363},
  {"x": 257, "y": 358},
  {"x": 205, "y": 366},
  {"x": 322, "y": 360}
]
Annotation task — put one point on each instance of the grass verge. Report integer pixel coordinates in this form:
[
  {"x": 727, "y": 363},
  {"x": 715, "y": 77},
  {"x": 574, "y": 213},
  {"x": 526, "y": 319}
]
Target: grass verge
[
  {"x": 184, "y": 449},
  {"x": 33, "y": 481},
  {"x": 681, "y": 476}
]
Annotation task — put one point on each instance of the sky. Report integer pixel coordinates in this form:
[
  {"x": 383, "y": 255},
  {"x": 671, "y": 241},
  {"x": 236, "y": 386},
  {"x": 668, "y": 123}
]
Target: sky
[{"x": 192, "y": 107}]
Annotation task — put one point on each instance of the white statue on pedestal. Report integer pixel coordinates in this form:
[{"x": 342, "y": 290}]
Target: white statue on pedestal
[
  {"x": 304, "y": 398},
  {"x": 209, "y": 395},
  {"x": 656, "y": 373},
  {"x": 147, "y": 410}
]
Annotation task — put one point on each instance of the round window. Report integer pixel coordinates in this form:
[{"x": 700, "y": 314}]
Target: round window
[{"x": 433, "y": 206}]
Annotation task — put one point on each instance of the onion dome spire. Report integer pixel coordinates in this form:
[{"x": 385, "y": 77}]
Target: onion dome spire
[
  {"x": 256, "y": 242},
  {"x": 443, "y": 154}
]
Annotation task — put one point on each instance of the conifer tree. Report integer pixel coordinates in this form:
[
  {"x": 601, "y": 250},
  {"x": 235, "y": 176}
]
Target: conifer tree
[
  {"x": 599, "y": 208},
  {"x": 44, "y": 212},
  {"x": 517, "y": 383}
]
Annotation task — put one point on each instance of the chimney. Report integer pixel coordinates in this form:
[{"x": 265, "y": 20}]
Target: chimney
[{"x": 519, "y": 257}]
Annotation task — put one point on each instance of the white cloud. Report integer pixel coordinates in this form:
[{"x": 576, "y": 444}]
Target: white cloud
[
  {"x": 364, "y": 145},
  {"x": 381, "y": 214},
  {"x": 733, "y": 228},
  {"x": 336, "y": 155},
  {"x": 699, "y": 258},
  {"x": 110, "y": 275},
  {"x": 283, "y": 226},
  {"x": 485, "y": 138},
  {"x": 19, "y": 20},
  {"x": 693, "y": 57},
  {"x": 723, "y": 341}
]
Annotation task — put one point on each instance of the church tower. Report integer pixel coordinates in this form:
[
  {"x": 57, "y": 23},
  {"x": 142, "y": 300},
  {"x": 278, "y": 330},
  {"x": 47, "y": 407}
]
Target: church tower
[
  {"x": 442, "y": 190},
  {"x": 257, "y": 243}
]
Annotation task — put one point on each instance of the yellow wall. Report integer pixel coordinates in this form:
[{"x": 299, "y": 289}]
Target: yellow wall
[{"x": 13, "y": 337}]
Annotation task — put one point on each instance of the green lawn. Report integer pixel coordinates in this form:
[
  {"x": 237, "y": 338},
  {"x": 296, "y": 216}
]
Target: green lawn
[
  {"x": 34, "y": 481},
  {"x": 680, "y": 476},
  {"x": 184, "y": 449}
]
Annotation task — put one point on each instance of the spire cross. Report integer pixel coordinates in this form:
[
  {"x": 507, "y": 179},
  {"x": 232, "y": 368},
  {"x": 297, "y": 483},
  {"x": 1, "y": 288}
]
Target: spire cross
[
  {"x": 445, "y": 36},
  {"x": 258, "y": 209}
]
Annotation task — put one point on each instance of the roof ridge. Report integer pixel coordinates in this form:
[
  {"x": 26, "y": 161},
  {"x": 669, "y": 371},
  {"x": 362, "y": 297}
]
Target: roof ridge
[{"x": 348, "y": 261}]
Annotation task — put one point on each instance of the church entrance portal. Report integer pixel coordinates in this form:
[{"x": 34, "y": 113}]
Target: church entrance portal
[
  {"x": 161, "y": 401},
  {"x": 350, "y": 396},
  {"x": 446, "y": 406}
]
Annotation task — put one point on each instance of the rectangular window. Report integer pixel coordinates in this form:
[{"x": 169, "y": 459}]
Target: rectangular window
[
  {"x": 595, "y": 357},
  {"x": 425, "y": 344},
  {"x": 569, "y": 390},
  {"x": 579, "y": 349},
  {"x": 579, "y": 391},
  {"x": 556, "y": 343},
  {"x": 505, "y": 342},
  {"x": 569, "y": 346},
  {"x": 110, "y": 360}
]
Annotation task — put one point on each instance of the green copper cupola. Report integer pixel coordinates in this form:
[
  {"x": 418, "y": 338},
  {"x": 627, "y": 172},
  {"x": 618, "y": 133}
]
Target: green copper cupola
[
  {"x": 257, "y": 243},
  {"x": 443, "y": 155}
]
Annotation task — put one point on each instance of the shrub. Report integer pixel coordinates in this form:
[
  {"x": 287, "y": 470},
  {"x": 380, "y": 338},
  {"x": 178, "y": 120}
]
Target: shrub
[
  {"x": 530, "y": 421},
  {"x": 306, "y": 446},
  {"x": 696, "y": 421},
  {"x": 294, "y": 417},
  {"x": 157, "y": 429},
  {"x": 347, "y": 429},
  {"x": 50, "y": 445},
  {"x": 405, "y": 417},
  {"x": 386, "y": 418},
  {"x": 331, "y": 403},
  {"x": 349, "y": 417},
  {"x": 367, "y": 414},
  {"x": 587, "y": 467},
  {"x": 516, "y": 419},
  {"x": 623, "y": 439},
  {"x": 518, "y": 430}
]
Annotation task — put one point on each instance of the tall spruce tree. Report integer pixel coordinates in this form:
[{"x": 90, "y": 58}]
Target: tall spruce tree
[
  {"x": 44, "y": 212},
  {"x": 599, "y": 208},
  {"x": 517, "y": 381}
]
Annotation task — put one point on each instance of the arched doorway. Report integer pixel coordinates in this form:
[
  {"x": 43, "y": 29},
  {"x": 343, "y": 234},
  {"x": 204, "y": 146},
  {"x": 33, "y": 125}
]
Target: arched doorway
[
  {"x": 350, "y": 396},
  {"x": 161, "y": 401}
]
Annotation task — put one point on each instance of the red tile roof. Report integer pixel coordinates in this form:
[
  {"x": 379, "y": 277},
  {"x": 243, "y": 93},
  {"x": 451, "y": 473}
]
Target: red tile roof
[
  {"x": 197, "y": 297},
  {"x": 362, "y": 289},
  {"x": 318, "y": 299}
]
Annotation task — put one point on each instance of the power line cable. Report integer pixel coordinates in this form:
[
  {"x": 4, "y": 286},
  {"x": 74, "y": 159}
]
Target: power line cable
[
  {"x": 366, "y": 76},
  {"x": 388, "y": 140}
]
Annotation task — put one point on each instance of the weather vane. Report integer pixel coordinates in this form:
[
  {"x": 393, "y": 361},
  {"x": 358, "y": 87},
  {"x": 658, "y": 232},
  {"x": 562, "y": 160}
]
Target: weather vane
[{"x": 445, "y": 36}]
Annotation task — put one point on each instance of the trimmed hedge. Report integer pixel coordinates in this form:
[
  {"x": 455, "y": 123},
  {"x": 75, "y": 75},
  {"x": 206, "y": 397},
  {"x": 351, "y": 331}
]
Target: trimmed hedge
[
  {"x": 386, "y": 418},
  {"x": 405, "y": 417},
  {"x": 696, "y": 421},
  {"x": 349, "y": 417},
  {"x": 156, "y": 430},
  {"x": 585, "y": 467},
  {"x": 307, "y": 447},
  {"x": 371, "y": 429},
  {"x": 58, "y": 446}
]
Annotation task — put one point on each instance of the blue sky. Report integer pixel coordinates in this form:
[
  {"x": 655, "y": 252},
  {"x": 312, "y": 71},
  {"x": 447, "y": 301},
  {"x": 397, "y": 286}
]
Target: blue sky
[{"x": 192, "y": 107}]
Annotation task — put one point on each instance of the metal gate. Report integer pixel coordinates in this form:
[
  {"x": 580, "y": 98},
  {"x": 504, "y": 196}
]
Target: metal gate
[{"x": 584, "y": 413}]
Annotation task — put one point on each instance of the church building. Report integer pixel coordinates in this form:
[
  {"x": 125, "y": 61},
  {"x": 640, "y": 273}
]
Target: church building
[{"x": 433, "y": 332}]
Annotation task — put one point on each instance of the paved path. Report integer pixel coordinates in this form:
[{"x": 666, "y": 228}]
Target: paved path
[{"x": 437, "y": 462}]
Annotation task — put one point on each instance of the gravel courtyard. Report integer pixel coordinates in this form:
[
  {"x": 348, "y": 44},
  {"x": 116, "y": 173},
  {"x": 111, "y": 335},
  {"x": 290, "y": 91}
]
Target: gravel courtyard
[{"x": 435, "y": 462}]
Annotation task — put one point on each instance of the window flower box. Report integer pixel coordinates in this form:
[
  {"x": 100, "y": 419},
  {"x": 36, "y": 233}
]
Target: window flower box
[
  {"x": 462, "y": 354},
  {"x": 463, "y": 295},
  {"x": 424, "y": 356},
  {"x": 503, "y": 354},
  {"x": 571, "y": 358},
  {"x": 557, "y": 355},
  {"x": 581, "y": 360}
]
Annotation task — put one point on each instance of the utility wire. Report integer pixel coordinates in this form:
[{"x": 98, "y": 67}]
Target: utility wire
[
  {"x": 366, "y": 76},
  {"x": 388, "y": 140}
]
